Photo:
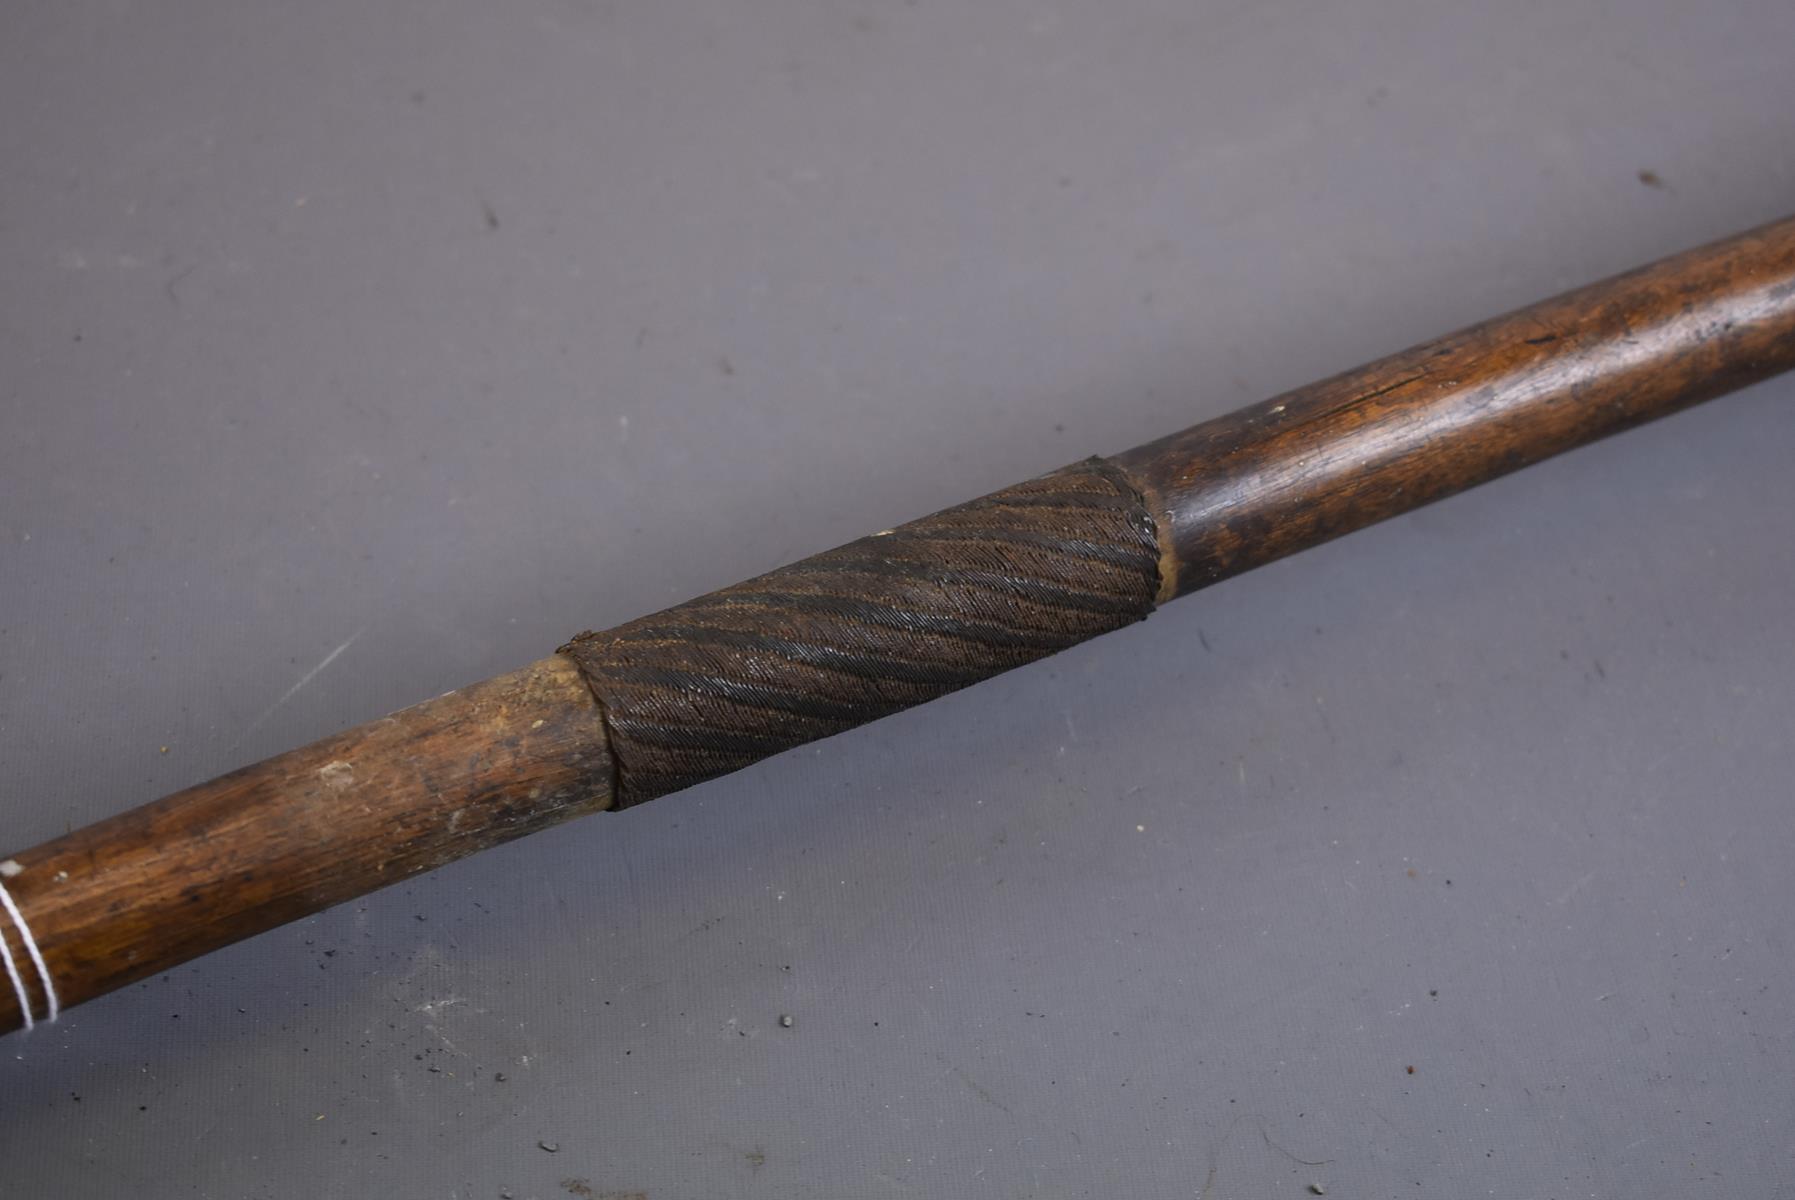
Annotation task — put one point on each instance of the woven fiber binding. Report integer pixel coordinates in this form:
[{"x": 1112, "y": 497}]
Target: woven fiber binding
[{"x": 869, "y": 628}]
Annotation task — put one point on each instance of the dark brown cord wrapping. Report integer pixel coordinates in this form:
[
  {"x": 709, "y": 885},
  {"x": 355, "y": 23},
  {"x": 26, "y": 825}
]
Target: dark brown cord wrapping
[{"x": 869, "y": 628}]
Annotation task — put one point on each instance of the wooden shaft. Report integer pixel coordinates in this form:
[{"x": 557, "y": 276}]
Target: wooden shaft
[
  {"x": 851, "y": 634},
  {"x": 1305, "y": 467},
  {"x": 158, "y": 885}
]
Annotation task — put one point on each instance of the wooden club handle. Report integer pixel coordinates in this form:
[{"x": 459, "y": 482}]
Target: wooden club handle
[{"x": 883, "y": 623}]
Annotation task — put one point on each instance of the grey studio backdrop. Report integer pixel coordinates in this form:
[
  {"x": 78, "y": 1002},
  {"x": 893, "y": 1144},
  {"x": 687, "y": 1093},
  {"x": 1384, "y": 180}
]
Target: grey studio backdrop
[{"x": 353, "y": 353}]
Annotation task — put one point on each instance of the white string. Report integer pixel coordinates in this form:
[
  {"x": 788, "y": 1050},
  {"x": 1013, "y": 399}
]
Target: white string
[
  {"x": 37, "y": 960},
  {"x": 12, "y": 973}
]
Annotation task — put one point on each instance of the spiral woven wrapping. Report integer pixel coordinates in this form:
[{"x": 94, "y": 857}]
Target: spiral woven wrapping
[{"x": 877, "y": 625}]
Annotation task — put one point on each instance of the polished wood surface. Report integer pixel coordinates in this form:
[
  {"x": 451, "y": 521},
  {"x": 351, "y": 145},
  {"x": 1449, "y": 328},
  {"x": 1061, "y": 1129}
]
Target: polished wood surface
[
  {"x": 284, "y": 838},
  {"x": 1305, "y": 467}
]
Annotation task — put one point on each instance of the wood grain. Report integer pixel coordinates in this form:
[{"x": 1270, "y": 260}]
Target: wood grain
[
  {"x": 1305, "y": 467},
  {"x": 284, "y": 838},
  {"x": 374, "y": 805}
]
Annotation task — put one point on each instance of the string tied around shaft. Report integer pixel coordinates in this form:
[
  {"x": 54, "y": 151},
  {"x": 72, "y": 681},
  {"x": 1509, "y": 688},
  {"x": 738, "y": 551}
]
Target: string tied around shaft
[{"x": 37, "y": 960}]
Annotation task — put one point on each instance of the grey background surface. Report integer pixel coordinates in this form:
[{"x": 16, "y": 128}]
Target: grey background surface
[{"x": 355, "y": 352}]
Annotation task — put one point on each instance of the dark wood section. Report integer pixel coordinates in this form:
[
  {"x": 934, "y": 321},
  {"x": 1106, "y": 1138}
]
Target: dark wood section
[
  {"x": 282, "y": 839},
  {"x": 1302, "y": 468},
  {"x": 861, "y": 631},
  {"x": 891, "y": 620}
]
